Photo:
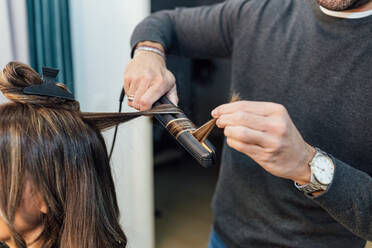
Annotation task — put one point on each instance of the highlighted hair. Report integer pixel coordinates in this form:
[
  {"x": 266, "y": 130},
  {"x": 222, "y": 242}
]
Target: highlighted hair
[{"x": 61, "y": 149}]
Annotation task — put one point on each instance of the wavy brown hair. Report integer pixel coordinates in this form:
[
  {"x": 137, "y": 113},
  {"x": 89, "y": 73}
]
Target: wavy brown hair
[{"x": 62, "y": 150}]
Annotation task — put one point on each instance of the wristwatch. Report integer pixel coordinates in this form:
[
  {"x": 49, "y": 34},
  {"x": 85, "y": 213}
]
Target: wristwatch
[{"x": 322, "y": 171}]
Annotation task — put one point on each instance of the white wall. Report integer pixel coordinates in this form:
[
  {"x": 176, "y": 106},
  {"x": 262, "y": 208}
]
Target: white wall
[
  {"x": 5, "y": 45},
  {"x": 100, "y": 34},
  {"x": 14, "y": 36}
]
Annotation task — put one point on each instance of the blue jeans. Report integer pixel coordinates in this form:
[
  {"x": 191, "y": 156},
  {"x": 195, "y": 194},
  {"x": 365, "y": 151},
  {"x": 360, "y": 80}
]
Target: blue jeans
[{"x": 215, "y": 241}]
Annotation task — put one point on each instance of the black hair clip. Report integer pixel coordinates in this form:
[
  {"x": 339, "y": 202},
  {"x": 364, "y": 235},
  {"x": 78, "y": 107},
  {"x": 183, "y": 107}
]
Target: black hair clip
[{"x": 48, "y": 86}]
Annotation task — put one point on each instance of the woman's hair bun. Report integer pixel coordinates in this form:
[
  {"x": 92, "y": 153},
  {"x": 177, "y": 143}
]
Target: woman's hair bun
[{"x": 16, "y": 76}]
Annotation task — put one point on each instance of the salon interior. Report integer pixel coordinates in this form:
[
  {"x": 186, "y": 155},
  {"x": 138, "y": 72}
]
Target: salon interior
[{"x": 164, "y": 193}]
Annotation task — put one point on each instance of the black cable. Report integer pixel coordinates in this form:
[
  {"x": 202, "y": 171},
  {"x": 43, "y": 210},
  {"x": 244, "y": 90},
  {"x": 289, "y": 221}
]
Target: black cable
[{"x": 121, "y": 99}]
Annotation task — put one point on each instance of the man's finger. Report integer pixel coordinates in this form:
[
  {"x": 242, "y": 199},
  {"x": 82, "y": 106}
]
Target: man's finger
[
  {"x": 248, "y": 136},
  {"x": 152, "y": 94},
  {"x": 127, "y": 81},
  {"x": 258, "y": 108},
  {"x": 139, "y": 93},
  {"x": 242, "y": 118},
  {"x": 248, "y": 149},
  {"x": 131, "y": 92},
  {"x": 172, "y": 95}
]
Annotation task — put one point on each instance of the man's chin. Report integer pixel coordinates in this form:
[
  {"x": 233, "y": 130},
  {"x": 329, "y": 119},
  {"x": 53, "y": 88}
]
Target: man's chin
[{"x": 339, "y": 5}]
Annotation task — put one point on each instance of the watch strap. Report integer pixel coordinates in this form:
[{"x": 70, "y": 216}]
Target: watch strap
[
  {"x": 310, "y": 187},
  {"x": 314, "y": 185}
]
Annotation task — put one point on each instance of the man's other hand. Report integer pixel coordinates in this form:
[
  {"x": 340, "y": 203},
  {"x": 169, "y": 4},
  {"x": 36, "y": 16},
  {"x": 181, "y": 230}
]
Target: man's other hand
[
  {"x": 265, "y": 132},
  {"x": 147, "y": 78}
]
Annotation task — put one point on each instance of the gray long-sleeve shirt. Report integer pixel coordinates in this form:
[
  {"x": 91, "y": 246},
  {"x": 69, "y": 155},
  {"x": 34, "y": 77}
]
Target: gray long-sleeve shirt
[{"x": 319, "y": 68}]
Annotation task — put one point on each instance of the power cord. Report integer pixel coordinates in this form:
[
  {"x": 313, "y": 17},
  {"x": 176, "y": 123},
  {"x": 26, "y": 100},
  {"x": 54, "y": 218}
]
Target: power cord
[{"x": 121, "y": 99}]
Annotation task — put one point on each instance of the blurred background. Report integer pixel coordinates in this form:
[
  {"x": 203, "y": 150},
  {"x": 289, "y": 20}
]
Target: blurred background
[
  {"x": 183, "y": 190},
  {"x": 164, "y": 195}
]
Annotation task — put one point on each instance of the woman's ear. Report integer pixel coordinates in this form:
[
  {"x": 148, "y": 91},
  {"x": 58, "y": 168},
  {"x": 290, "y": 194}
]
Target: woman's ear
[
  {"x": 32, "y": 194},
  {"x": 41, "y": 203},
  {"x": 43, "y": 207}
]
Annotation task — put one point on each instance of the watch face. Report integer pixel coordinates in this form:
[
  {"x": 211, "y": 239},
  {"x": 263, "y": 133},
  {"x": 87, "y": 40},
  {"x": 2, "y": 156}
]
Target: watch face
[{"x": 323, "y": 169}]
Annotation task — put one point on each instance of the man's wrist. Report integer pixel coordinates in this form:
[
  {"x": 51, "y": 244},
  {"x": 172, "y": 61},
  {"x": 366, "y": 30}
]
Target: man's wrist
[
  {"x": 303, "y": 176},
  {"x": 321, "y": 174},
  {"x": 149, "y": 47},
  {"x": 153, "y": 44}
]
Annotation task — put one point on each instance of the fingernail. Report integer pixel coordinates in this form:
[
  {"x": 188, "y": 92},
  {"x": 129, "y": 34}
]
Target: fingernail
[{"x": 214, "y": 112}]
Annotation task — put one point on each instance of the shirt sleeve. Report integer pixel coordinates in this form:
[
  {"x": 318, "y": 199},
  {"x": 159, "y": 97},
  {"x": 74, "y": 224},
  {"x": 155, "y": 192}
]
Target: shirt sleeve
[
  {"x": 206, "y": 31},
  {"x": 349, "y": 199}
]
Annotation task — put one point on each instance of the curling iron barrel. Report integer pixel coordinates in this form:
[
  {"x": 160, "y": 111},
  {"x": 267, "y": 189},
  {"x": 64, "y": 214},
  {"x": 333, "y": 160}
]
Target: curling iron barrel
[{"x": 202, "y": 151}]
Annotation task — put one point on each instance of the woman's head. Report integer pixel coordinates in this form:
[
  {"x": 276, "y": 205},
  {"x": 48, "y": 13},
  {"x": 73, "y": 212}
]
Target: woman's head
[{"x": 55, "y": 177}]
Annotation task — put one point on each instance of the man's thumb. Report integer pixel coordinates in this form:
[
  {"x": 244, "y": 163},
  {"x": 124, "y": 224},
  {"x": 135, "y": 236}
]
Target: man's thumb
[{"x": 172, "y": 95}]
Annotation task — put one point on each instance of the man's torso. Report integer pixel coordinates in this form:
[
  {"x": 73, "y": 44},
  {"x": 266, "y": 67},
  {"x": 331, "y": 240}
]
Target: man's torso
[{"x": 318, "y": 67}]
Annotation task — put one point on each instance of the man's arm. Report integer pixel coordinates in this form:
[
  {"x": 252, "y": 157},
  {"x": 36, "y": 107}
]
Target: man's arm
[
  {"x": 205, "y": 31},
  {"x": 349, "y": 199},
  {"x": 192, "y": 32}
]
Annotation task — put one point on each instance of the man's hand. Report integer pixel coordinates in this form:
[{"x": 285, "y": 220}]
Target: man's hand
[
  {"x": 265, "y": 132},
  {"x": 147, "y": 78}
]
